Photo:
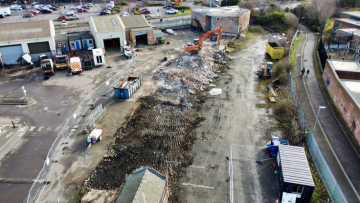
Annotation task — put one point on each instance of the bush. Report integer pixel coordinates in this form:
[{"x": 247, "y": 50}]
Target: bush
[
  {"x": 182, "y": 7},
  {"x": 229, "y": 2},
  {"x": 137, "y": 8},
  {"x": 155, "y": 4},
  {"x": 136, "y": 13},
  {"x": 287, "y": 9},
  {"x": 275, "y": 21},
  {"x": 196, "y": 2},
  {"x": 253, "y": 29},
  {"x": 117, "y": 9},
  {"x": 124, "y": 3}
]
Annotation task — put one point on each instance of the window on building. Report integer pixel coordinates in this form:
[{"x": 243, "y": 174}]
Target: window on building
[
  {"x": 59, "y": 44},
  {"x": 217, "y": 19},
  {"x": 298, "y": 189},
  {"x": 90, "y": 41},
  {"x": 72, "y": 44}
]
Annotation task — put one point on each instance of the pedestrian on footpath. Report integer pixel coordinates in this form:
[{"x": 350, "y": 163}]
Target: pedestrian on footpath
[
  {"x": 307, "y": 72},
  {"x": 302, "y": 72}
]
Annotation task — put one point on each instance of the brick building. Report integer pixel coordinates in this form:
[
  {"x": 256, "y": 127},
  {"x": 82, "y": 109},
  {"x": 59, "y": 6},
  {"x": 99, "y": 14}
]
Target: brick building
[
  {"x": 342, "y": 79},
  {"x": 232, "y": 19}
]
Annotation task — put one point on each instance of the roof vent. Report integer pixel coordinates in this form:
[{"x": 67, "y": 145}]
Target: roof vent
[
  {"x": 114, "y": 22},
  {"x": 102, "y": 23}
]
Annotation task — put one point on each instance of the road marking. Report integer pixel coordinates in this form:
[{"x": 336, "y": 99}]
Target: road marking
[
  {"x": 197, "y": 166},
  {"x": 32, "y": 128},
  {"x": 58, "y": 128},
  {"x": 39, "y": 145},
  {"x": 40, "y": 128},
  {"x": 9, "y": 134},
  {"x": 49, "y": 128},
  {"x": 7, "y": 142},
  {"x": 200, "y": 186}
]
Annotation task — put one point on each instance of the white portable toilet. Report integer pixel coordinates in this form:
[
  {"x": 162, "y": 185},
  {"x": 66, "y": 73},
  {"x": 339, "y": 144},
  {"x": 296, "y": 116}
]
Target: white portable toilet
[{"x": 98, "y": 55}]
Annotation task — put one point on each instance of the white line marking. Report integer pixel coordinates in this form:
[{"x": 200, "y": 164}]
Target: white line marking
[
  {"x": 49, "y": 128},
  {"x": 197, "y": 166},
  {"x": 32, "y": 128},
  {"x": 40, "y": 128},
  {"x": 39, "y": 145},
  {"x": 7, "y": 142},
  {"x": 58, "y": 128},
  {"x": 200, "y": 186},
  {"x": 9, "y": 134}
]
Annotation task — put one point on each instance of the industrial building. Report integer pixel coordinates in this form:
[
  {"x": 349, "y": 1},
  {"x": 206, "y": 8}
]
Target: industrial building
[
  {"x": 61, "y": 41},
  {"x": 108, "y": 32},
  {"x": 34, "y": 37},
  {"x": 138, "y": 31},
  {"x": 293, "y": 174},
  {"x": 232, "y": 19},
  {"x": 144, "y": 185},
  {"x": 342, "y": 79}
]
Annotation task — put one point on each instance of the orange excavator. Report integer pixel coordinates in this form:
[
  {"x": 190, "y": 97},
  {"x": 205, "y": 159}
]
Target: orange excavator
[{"x": 196, "y": 46}]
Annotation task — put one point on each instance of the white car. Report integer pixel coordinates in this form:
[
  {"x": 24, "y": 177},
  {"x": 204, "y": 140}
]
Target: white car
[
  {"x": 170, "y": 31},
  {"x": 75, "y": 7},
  {"x": 16, "y": 8},
  {"x": 124, "y": 14},
  {"x": 171, "y": 11},
  {"x": 75, "y": 17},
  {"x": 63, "y": 23}
]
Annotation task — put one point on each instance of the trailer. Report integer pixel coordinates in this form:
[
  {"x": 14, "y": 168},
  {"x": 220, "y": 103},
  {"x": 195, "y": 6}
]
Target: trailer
[
  {"x": 98, "y": 55},
  {"x": 75, "y": 65},
  {"x": 95, "y": 135},
  {"x": 127, "y": 87}
]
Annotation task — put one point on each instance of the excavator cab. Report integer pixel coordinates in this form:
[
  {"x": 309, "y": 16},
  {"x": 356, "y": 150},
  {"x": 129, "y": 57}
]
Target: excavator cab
[{"x": 196, "y": 41}]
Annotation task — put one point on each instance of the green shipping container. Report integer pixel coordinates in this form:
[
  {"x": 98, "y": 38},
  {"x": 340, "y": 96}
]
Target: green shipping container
[{"x": 162, "y": 41}]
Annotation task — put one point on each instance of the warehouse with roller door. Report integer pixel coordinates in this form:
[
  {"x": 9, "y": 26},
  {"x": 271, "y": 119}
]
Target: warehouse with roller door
[
  {"x": 35, "y": 37},
  {"x": 108, "y": 32}
]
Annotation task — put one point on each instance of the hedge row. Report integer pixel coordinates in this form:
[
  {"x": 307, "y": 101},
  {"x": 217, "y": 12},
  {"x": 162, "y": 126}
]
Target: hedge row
[
  {"x": 182, "y": 7},
  {"x": 155, "y": 4}
]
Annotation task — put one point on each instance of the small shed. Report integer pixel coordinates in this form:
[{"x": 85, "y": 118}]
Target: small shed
[
  {"x": 293, "y": 172},
  {"x": 61, "y": 42},
  {"x": 144, "y": 185},
  {"x": 75, "y": 42},
  {"x": 86, "y": 39}
]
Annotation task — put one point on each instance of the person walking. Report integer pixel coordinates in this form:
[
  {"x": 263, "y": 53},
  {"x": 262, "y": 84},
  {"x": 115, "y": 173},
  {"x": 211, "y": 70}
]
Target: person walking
[
  {"x": 307, "y": 72},
  {"x": 302, "y": 72},
  {"x": 64, "y": 7}
]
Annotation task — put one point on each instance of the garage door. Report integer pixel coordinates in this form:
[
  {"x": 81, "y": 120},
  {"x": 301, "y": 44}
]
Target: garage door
[
  {"x": 39, "y": 48},
  {"x": 11, "y": 53}
]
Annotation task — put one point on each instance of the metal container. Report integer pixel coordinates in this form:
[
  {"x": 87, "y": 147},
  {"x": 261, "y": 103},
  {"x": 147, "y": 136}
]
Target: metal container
[{"x": 127, "y": 87}]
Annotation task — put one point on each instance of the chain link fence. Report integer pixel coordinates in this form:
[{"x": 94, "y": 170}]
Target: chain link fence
[
  {"x": 332, "y": 187},
  {"x": 71, "y": 126}
]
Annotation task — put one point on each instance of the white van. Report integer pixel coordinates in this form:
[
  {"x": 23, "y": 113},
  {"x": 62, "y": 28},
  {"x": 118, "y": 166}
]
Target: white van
[
  {"x": 98, "y": 55},
  {"x": 68, "y": 13}
]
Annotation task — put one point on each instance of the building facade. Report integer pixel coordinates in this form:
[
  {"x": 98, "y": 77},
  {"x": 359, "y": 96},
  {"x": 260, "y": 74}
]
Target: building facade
[{"x": 35, "y": 38}]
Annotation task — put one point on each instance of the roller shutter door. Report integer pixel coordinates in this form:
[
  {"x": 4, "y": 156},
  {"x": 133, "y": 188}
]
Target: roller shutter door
[
  {"x": 11, "y": 53},
  {"x": 39, "y": 48}
]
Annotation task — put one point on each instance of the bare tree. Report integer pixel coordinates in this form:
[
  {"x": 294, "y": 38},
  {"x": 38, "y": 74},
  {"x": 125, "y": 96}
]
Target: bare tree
[
  {"x": 320, "y": 10},
  {"x": 291, "y": 19}
]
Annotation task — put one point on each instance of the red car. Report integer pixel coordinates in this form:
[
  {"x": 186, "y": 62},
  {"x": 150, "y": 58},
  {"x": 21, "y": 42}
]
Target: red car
[
  {"x": 144, "y": 9},
  {"x": 145, "y": 12},
  {"x": 38, "y": 9},
  {"x": 62, "y": 17},
  {"x": 107, "y": 8},
  {"x": 82, "y": 10},
  {"x": 34, "y": 12}
]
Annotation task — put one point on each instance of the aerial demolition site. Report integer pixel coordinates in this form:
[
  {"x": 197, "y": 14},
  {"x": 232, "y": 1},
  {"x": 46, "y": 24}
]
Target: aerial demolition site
[{"x": 159, "y": 132}]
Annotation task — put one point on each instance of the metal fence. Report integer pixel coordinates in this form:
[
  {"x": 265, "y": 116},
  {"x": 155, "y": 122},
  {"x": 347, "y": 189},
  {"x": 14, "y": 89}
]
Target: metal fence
[
  {"x": 332, "y": 187},
  {"x": 292, "y": 42},
  {"x": 71, "y": 126},
  {"x": 95, "y": 116}
]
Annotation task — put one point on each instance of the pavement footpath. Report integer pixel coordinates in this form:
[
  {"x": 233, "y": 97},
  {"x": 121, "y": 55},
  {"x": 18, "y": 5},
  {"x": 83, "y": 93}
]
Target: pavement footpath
[{"x": 337, "y": 150}]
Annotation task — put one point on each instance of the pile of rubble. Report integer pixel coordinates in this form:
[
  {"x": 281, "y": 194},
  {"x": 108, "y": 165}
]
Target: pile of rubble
[{"x": 161, "y": 126}]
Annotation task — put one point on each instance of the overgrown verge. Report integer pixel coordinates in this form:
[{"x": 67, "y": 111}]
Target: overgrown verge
[{"x": 239, "y": 42}]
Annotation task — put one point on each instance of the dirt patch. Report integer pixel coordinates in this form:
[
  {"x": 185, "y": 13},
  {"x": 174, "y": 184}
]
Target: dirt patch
[{"x": 161, "y": 126}]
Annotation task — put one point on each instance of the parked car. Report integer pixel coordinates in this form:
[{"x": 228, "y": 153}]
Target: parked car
[
  {"x": 147, "y": 16},
  {"x": 82, "y": 10},
  {"x": 144, "y": 9},
  {"x": 63, "y": 23},
  {"x": 23, "y": 6},
  {"x": 63, "y": 17},
  {"x": 167, "y": 6},
  {"x": 29, "y": 15},
  {"x": 16, "y": 8},
  {"x": 78, "y": 4},
  {"x": 170, "y": 31},
  {"x": 2, "y": 15},
  {"x": 145, "y": 12},
  {"x": 55, "y": 6},
  {"x": 85, "y": 7},
  {"x": 68, "y": 13},
  {"x": 75, "y": 17},
  {"x": 107, "y": 9},
  {"x": 89, "y": 4},
  {"x": 38, "y": 9},
  {"x": 34, "y": 12},
  {"x": 106, "y": 12},
  {"x": 124, "y": 14},
  {"x": 45, "y": 10},
  {"x": 74, "y": 8},
  {"x": 171, "y": 11},
  {"x": 35, "y": 2}
]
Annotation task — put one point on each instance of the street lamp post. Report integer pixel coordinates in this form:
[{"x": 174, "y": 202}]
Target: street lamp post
[{"x": 317, "y": 116}]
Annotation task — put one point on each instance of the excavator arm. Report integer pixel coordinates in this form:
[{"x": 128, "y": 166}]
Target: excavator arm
[{"x": 209, "y": 33}]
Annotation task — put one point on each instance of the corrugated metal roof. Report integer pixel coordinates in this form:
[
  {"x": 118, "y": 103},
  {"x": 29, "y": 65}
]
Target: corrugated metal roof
[
  {"x": 294, "y": 164},
  {"x": 107, "y": 23},
  {"x": 134, "y": 21},
  {"x": 25, "y": 30},
  {"x": 60, "y": 37},
  {"x": 141, "y": 29},
  {"x": 143, "y": 185},
  {"x": 352, "y": 13},
  {"x": 74, "y": 37},
  {"x": 158, "y": 32}
]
